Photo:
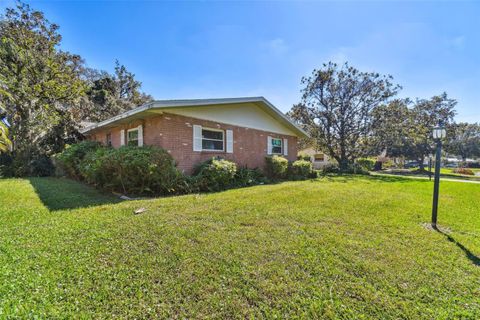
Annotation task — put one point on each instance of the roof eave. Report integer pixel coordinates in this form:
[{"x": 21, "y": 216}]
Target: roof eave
[{"x": 181, "y": 103}]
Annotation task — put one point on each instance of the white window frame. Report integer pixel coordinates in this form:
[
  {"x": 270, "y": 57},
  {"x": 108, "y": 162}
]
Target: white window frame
[
  {"x": 138, "y": 136},
  {"x": 223, "y": 139},
  {"x": 281, "y": 146}
]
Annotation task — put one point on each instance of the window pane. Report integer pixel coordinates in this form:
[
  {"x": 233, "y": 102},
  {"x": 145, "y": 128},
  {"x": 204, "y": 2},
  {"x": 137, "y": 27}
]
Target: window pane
[
  {"x": 207, "y": 134},
  {"x": 277, "y": 150},
  {"x": 277, "y": 142},
  {"x": 319, "y": 157},
  {"x": 212, "y": 145},
  {"x": 133, "y": 135},
  {"x": 277, "y": 146}
]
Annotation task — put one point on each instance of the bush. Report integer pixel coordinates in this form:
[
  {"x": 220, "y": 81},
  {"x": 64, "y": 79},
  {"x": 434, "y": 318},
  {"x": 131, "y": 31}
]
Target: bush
[
  {"x": 133, "y": 170},
  {"x": 367, "y": 164},
  {"x": 276, "y": 167},
  {"x": 42, "y": 166},
  {"x": 352, "y": 169},
  {"x": 215, "y": 175},
  {"x": 305, "y": 157},
  {"x": 464, "y": 171},
  {"x": 6, "y": 169},
  {"x": 301, "y": 169},
  {"x": 331, "y": 168},
  {"x": 71, "y": 158},
  {"x": 248, "y": 177}
]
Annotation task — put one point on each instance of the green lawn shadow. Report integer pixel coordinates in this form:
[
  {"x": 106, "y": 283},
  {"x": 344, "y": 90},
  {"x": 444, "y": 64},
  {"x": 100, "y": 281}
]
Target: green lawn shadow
[
  {"x": 63, "y": 194},
  {"x": 469, "y": 254}
]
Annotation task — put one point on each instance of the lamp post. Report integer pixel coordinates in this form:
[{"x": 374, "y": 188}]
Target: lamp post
[{"x": 439, "y": 133}]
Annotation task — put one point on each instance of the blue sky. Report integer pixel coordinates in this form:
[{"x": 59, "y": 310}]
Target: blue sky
[{"x": 227, "y": 49}]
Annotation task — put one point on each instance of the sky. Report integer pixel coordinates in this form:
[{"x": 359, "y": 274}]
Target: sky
[{"x": 203, "y": 49}]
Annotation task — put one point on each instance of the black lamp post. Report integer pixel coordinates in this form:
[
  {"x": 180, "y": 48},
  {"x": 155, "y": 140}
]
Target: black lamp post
[{"x": 439, "y": 133}]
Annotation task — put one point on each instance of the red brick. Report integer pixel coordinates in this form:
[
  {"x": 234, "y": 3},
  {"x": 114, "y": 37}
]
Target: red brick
[{"x": 175, "y": 134}]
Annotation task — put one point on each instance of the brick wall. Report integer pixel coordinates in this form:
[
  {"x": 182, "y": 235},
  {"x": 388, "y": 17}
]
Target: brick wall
[{"x": 175, "y": 134}]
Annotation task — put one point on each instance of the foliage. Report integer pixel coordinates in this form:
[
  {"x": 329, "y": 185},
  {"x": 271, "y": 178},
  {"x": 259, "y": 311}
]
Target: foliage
[
  {"x": 248, "y": 177},
  {"x": 261, "y": 252},
  {"x": 276, "y": 167},
  {"x": 465, "y": 171},
  {"x": 464, "y": 140},
  {"x": 39, "y": 84},
  {"x": 133, "y": 170},
  {"x": 215, "y": 174},
  {"x": 406, "y": 131},
  {"x": 367, "y": 164},
  {"x": 71, "y": 158},
  {"x": 6, "y": 169},
  {"x": 392, "y": 129},
  {"x": 353, "y": 168},
  {"x": 302, "y": 156},
  {"x": 42, "y": 166},
  {"x": 301, "y": 169},
  {"x": 336, "y": 108},
  {"x": 46, "y": 93},
  {"x": 5, "y": 142},
  {"x": 108, "y": 95}
]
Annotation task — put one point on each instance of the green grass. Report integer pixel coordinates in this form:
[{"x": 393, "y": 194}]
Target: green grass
[{"x": 330, "y": 248}]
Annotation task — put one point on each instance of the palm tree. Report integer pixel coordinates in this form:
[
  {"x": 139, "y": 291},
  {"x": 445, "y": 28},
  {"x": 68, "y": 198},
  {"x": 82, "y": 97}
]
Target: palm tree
[{"x": 5, "y": 142}]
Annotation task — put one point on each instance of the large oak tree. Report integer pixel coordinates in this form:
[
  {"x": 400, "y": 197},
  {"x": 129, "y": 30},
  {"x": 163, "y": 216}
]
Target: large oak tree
[{"x": 336, "y": 108}]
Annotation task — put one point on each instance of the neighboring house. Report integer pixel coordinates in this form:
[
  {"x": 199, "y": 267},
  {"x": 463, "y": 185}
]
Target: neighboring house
[
  {"x": 318, "y": 158},
  {"x": 244, "y": 130}
]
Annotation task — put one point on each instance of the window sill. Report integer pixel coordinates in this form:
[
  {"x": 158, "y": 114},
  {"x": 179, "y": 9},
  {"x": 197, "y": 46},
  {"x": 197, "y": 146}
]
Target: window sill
[{"x": 212, "y": 151}]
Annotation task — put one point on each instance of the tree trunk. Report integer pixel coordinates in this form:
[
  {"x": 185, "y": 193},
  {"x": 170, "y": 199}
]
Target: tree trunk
[{"x": 421, "y": 161}]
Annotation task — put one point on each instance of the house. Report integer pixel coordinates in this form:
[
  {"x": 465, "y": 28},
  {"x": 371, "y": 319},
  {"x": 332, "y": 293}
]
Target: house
[
  {"x": 318, "y": 158},
  {"x": 243, "y": 130}
]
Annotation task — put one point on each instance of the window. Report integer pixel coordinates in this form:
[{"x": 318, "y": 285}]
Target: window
[
  {"x": 212, "y": 139},
  {"x": 319, "y": 157},
  {"x": 108, "y": 140},
  {"x": 276, "y": 146},
  {"x": 132, "y": 137}
]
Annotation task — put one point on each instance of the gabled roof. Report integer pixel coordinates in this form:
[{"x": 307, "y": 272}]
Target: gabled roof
[{"x": 169, "y": 104}]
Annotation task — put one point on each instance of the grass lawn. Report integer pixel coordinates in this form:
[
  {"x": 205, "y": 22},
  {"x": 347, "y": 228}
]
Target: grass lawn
[{"x": 345, "y": 247}]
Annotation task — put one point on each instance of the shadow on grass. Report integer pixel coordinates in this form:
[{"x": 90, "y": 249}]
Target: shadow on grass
[
  {"x": 381, "y": 178},
  {"x": 472, "y": 257},
  {"x": 62, "y": 194}
]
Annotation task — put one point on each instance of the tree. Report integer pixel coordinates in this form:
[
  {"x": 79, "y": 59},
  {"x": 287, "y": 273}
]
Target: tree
[
  {"x": 391, "y": 129},
  {"x": 109, "y": 95},
  {"x": 405, "y": 130},
  {"x": 5, "y": 143},
  {"x": 464, "y": 140},
  {"x": 39, "y": 83},
  {"x": 336, "y": 108},
  {"x": 426, "y": 114}
]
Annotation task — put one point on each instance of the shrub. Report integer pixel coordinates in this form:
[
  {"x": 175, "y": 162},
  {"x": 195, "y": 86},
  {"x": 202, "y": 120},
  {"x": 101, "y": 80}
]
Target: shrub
[
  {"x": 367, "y": 164},
  {"x": 300, "y": 169},
  {"x": 464, "y": 171},
  {"x": 215, "y": 175},
  {"x": 248, "y": 177},
  {"x": 133, "y": 170},
  {"x": 42, "y": 166},
  {"x": 71, "y": 158},
  {"x": 305, "y": 157},
  {"x": 276, "y": 167},
  {"x": 331, "y": 168},
  {"x": 352, "y": 169},
  {"x": 6, "y": 169}
]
